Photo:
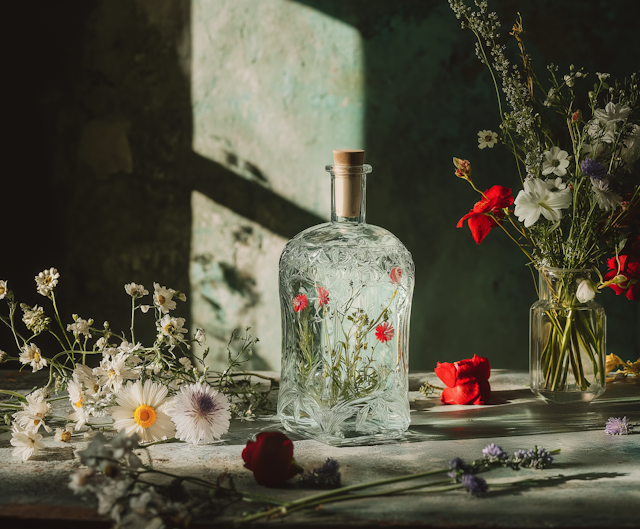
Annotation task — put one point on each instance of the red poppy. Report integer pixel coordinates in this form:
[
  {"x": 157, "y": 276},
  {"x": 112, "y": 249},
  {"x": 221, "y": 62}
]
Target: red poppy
[
  {"x": 384, "y": 332},
  {"x": 628, "y": 275},
  {"x": 492, "y": 203},
  {"x": 300, "y": 302},
  {"x": 323, "y": 296},
  {"x": 395, "y": 275},
  {"x": 270, "y": 458},
  {"x": 467, "y": 381}
]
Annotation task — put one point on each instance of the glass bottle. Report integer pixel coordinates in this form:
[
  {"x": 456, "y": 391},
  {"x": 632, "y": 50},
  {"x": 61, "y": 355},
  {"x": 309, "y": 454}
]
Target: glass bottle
[
  {"x": 568, "y": 350},
  {"x": 345, "y": 291}
]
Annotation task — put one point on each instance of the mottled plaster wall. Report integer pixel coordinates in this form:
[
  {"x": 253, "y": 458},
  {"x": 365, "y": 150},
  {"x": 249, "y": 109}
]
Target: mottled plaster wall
[{"x": 184, "y": 142}]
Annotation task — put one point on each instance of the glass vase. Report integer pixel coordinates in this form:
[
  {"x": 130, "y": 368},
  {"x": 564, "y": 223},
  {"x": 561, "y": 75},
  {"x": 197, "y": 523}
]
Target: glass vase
[
  {"x": 567, "y": 338},
  {"x": 345, "y": 290}
]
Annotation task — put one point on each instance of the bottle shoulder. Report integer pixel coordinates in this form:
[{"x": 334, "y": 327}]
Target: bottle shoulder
[{"x": 332, "y": 234}]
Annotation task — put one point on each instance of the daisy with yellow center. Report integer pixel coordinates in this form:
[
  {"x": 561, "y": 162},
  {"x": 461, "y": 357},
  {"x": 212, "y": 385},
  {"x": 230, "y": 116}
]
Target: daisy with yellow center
[{"x": 141, "y": 410}]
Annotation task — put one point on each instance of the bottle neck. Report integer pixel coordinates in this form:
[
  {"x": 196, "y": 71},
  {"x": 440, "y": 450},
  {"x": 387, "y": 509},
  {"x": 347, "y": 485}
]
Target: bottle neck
[{"x": 349, "y": 193}]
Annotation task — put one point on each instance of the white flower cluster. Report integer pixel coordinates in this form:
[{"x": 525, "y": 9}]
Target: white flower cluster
[
  {"x": 132, "y": 384},
  {"x": 25, "y": 436},
  {"x": 128, "y": 503}
]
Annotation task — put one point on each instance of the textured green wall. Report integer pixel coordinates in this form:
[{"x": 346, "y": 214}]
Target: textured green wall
[{"x": 183, "y": 142}]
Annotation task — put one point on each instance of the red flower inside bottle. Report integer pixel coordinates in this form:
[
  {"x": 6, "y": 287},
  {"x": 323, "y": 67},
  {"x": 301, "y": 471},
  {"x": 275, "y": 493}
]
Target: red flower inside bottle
[{"x": 467, "y": 381}]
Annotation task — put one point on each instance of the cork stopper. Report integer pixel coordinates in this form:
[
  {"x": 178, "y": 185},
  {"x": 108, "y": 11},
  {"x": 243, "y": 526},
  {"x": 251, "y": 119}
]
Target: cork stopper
[
  {"x": 348, "y": 156},
  {"x": 348, "y": 183}
]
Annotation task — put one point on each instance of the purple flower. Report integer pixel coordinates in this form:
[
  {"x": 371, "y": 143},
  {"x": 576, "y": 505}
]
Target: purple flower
[
  {"x": 536, "y": 458},
  {"x": 593, "y": 169},
  {"x": 617, "y": 426},
  {"x": 457, "y": 467},
  {"x": 474, "y": 484},
  {"x": 325, "y": 477},
  {"x": 494, "y": 453}
]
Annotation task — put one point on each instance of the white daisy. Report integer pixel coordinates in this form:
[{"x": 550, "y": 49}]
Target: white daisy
[
  {"x": 33, "y": 414},
  {"x": 46, "y": 281},
  {"x": 31, "y": 354},
  {"x": 607, "y": 199},
  {"x": 139, "y": 410},
  {"x": 538, "y": 199},
  {"x": 112, "y": 372},
  {"x": 555, "y": 161},
  {"x": 136, "y": 291},
  {"x": 26, "y": 443},
  {"x": 84, "y": 375},
  {"x": 76, "y": 397},
  {"x": 172, "y": 328},
  {"x": 80, "y": 327},
  {"x": 162, "y": 297},
  {"x": 3, "y": 289},
  {"x": 80, "y": 416},
  {"x": 487, "y": 138},
  {"x": 200, "y": 413}
]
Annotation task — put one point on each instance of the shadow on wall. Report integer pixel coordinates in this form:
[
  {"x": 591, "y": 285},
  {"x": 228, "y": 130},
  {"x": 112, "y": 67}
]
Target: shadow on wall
[{"x": 101, "y": 168}]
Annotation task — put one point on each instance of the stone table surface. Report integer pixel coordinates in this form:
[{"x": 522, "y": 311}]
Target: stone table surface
[{"x": 594, "y": 481}]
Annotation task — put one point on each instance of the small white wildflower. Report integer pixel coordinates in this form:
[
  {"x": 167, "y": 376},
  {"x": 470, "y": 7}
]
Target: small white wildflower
[
  {"x": 172, "y": 328},
  {"x": 112, "y": 373},
  {"x": 487, "y": 138},
  {"x": 46, "y": 281},
  {"x": 162, "y": 297},
  {"x": 145, "y": 308},
  {"x": 26, "y": 443},
  {"x": 80, "y": 479},
  {"x": 569, "y": 80},
  {"x": 63, "y": 435},
  {"x": 80, "y": 327},
  {"x": 186, "y": 363},
  {"x": 3, "y": 288},
  {"x": 33, "y": 413},
  {"x": 34, "y": 318},
  {"x": 136, "y": 291},
  {"x": 101, "y": 343},
  {"x": 3, "y": 356},
  {"x": 602, "y": 76},
  {"x": 555, "y": 161},
  {"x": 31, "y": 354},
  {"x": 181, "y": 296},
  {"x": 200, "y": 336},
  {"x": 200, "y": 413}
]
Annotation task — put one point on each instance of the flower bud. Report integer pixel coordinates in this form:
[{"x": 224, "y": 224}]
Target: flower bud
[
  {"x": 586, "y": 291},
  {"x": 463, "y": 168}
]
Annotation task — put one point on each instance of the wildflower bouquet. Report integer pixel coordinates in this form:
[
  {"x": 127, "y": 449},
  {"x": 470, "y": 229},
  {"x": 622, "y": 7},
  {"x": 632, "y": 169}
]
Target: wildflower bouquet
[
  {"x": 575, "y": 148},
  {"x": 158, "y": 392}
]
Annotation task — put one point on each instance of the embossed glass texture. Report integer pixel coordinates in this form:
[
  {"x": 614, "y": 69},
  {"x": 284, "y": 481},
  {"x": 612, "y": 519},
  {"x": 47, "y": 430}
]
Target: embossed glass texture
[{"x": 345, "y": 291}]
